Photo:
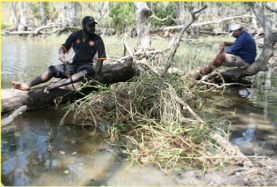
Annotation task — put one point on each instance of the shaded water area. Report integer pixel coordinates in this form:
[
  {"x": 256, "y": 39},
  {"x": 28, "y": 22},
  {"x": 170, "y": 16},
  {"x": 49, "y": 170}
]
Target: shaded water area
[{"x": 79, "y": 155}]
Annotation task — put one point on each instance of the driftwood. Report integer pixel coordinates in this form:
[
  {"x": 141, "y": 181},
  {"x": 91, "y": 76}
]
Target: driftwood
[
  {"x": 176, "y": 44},
  {"x": 12, "y": 116},
  {"x": 49, "y": 29},
  {"x": 38, "y": 31},
  {"x": 232, "y": 151},
  {"x": 203, "y": 23},
  {"x": 12, "y": 99}
]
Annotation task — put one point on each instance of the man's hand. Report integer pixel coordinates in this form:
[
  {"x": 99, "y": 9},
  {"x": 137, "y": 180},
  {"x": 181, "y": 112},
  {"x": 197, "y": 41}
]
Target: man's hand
[
  {"x": 98, "y": 69},
  {"x": 61, "y": 55},
  {"x": 222, "y": 45},
  {"x": 62, "y": 58},
  {"x": 96, "y": 77}
]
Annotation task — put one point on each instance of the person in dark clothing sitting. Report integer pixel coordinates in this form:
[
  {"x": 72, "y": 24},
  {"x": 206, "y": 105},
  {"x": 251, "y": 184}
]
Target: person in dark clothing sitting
[{"x": 86, "y": 46}]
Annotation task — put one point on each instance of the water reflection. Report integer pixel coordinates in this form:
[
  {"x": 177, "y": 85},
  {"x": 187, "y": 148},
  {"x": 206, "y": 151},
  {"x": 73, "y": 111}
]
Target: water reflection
[
  {"x": 254, "y": 120},
  {"x": 87, "y": 160},
  {"x": 22, "y": 61}
]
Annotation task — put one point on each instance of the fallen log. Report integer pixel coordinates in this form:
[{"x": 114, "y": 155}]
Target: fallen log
[
  {"x": 12, "y": 116},
  {"x": 12, "y": 99}
]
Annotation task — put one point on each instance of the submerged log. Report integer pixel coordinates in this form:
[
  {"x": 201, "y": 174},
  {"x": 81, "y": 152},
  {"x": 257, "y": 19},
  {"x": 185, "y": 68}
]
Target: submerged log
[
  {"x": 12, "y": 99},
  {"x": 12, "y": 116}
]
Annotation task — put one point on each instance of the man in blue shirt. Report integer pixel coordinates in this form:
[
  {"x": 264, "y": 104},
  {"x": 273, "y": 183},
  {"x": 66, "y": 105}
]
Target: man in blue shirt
[
  {"x": 87, "y": 47},
  {"x": 240, "y": 54}
]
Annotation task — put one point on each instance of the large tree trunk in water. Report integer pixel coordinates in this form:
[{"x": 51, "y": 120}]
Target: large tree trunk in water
[
  {"x": 12, "y": 99},
  {"x": 143, "y": 13},
  {"x": 260, "y": 63}
]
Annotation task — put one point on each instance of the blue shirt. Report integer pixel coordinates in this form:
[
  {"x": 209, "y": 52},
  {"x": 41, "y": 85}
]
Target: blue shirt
[{"x": 244, "y": 47}]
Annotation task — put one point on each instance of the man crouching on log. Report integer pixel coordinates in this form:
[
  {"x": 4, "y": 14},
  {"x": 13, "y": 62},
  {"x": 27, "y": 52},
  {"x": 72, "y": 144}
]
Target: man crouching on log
[{"x": 86, "y": 45}]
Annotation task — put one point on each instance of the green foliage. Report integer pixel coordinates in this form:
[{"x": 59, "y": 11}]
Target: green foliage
[
  {"x": 35, "y": 9},
  {"x": 189, "y": 6},
  {"x": 4, "y": 25},
  {"x": 122, "y": 14},
  {"x": 162, "y": 11}
]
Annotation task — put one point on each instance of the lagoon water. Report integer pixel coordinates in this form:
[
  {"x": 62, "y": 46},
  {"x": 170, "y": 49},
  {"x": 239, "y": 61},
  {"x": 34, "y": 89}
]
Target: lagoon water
[{"x": 80, "y": 157}]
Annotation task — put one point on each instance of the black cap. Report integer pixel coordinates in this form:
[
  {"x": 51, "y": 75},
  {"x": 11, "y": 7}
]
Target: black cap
[{"x": 88, "y": 20}]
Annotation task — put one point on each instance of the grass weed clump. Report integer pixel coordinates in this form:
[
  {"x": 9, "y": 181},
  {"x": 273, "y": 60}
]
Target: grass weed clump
[{"x": 145, "y": 119}]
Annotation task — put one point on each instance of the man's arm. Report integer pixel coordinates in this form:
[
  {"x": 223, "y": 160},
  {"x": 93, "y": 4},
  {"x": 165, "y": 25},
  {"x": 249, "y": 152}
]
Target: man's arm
[
  {"x": 228, "y": 43},
  {"x": 223, "y": 44},
  {"x": 61, "y": 54},
  {"x": 98, "y": 69}
]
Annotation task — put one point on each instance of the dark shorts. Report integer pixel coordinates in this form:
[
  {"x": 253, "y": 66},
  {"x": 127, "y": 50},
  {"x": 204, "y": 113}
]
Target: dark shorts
[{"x": 60, "y": 70}]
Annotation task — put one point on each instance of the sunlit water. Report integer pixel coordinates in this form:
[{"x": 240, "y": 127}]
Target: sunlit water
[{"x": 80, "y": 157}]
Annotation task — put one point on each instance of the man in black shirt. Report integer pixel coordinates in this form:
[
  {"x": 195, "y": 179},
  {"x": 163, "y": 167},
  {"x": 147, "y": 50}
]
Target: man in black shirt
[{"x": 86, "y": 46}]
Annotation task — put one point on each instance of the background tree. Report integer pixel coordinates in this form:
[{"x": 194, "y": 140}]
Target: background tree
[
  {"x": 122, "y": 16},
  {"x": 13, "y": 13},
  {"x": 73, "y": 13},
  {"x": 142, "y": 15},
  {"x": 43, "y": 14},
  {"x": 23, "y": 16}
]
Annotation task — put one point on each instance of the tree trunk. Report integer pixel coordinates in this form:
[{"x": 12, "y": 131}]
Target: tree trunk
[
  {"x": 14, "y": 17},
  {"x": 181, "y": 13},
  {"x": 143, "y": 13},
  {"x": 12, "y": 99},
  {"x": 23, "y": 17},
  {"x": 102, "y": 8},
  {"x": 73, "y": 11},
  {"x": 272, "y": 8},
  {"x": 42, "y": 14},
  {"x": 63, "y": 14},
  {"x": 195, "y": 15}
]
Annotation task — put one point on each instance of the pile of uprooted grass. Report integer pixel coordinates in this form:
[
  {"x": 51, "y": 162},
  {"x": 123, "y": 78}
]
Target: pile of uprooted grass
[{"x": 150, "y": 120}]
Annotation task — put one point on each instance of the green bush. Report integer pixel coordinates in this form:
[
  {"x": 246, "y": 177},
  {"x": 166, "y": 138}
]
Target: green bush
[
  {"x": 122, "y": 15},
  {"x": 162, "y": 11},
  {"x": 35, "y": 9},
  {"x": 5, "y": 25}
]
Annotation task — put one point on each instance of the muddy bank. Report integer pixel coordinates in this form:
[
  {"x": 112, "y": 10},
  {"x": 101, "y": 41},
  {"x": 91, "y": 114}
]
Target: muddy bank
[{"x": 264, "y": 173}]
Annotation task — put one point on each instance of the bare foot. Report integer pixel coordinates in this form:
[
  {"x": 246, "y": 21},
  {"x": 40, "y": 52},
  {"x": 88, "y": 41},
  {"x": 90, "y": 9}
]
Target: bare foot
[{"x": 21, "y": 86}]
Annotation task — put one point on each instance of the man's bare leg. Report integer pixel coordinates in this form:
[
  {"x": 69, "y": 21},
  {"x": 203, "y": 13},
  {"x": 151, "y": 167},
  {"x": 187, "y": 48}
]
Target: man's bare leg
[
  {"x": 74, "y": 78},
  {"x": 218, "y": 61},
  {"x": 46, "y": 76}
]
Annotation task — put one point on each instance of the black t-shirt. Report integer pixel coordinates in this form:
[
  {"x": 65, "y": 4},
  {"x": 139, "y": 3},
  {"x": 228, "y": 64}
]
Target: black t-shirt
[{"x": 85, "y": 50}]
